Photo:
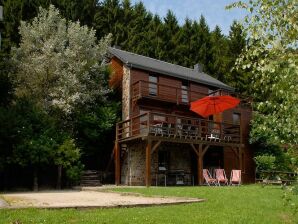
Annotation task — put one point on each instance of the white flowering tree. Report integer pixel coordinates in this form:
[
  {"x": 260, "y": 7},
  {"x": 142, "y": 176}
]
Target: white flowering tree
[
  {"x": 58, "y": 62},
  {"x": 272, "y": 57}
]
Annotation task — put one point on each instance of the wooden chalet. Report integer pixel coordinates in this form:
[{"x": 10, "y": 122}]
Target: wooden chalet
[{"x": 159, "y": 140}]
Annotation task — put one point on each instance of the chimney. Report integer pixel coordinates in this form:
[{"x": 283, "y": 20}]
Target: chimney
[
  {"x": 198, "y": 67},
  {"x": 117, "y": 47}
]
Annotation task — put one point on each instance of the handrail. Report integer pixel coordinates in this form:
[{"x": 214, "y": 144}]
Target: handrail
[
  {"x": 135, "y": 126},
  {"x": 163, "y": 85},
  {"x": 178, "y": 91},
  {"x": 169, "y": 93}
]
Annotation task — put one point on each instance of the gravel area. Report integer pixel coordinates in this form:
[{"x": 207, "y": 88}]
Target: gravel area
[{"x": 87, "y": 199}]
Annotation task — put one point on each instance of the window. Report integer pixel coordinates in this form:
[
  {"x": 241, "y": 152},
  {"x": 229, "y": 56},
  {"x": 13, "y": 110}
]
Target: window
[
  {"x": 184, "y": 92},
  {"x": 152, "y": 85},
  {"x": 236, "y": 118},
  {"x": 212, "y": 92}
]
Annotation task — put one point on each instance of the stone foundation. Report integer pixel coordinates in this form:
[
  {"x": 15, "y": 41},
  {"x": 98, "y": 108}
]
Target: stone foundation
[{"x": 133, "y": 166}]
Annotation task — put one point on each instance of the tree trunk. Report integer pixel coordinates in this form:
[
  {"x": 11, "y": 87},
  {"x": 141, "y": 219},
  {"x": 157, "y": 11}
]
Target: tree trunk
[
  {"x": 58, "y": 186},
  {"x": 35, "y": 179}
]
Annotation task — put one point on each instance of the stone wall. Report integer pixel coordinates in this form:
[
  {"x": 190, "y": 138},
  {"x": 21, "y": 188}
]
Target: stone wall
[
  {"x": 126, "y": 93},
  {"x": 133, "y": 167}
]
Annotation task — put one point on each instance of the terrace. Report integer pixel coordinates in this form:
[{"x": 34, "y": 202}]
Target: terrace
[{"x": 173, "y": 128}]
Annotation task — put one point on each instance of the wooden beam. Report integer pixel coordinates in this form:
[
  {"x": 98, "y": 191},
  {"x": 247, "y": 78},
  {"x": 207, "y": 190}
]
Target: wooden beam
[
  {"x": 117, "y": 164},
  {"x": 194, "y": 149},
  {"x": 240, "y": 158},
  {"x": 155, "y": 146},
  {"x": 205, "y": 150},
  {"x": 148, "y": 164},
  {"x": 200, "y": 165}
]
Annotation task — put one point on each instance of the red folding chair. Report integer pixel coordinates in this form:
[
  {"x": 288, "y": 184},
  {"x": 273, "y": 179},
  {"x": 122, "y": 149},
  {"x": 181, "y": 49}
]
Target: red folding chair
[
  {"x": 235, "y": 178},
  {"x": 208, "y": 178},
  {"x": 220, "y": 176}
]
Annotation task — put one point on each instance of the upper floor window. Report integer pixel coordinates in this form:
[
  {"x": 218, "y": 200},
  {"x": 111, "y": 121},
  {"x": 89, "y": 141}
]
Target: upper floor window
[
  {"x": 236, "y": 118},
  {"x": 153, "y": 85},
  {"x": 184, "y": 92}
]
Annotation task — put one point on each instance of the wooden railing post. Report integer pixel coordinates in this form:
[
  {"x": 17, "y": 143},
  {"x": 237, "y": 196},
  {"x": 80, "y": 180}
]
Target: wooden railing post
[
  {"x": 130, "y": 127},
  {"x": 140, "y": 89},
  {"x": 148, "y": 164},
  {"x": 200, "y": 128},
  {"x": 148, "y": 122},
  {"x": 221, "y": 130}
]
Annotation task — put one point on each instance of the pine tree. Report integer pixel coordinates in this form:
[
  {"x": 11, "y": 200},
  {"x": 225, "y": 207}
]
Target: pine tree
[
  {"x": 183, "y": 49},
  {"x": 170, "y": 31},
  {"x": 139, "y": 30},
  {"x": 240, "y": 80},
  {"x": 203, "y": 42},
  {"x": 154, "y": 38},
  {"x": 218, "y": 55},
  {"x": 107, "y": 19}
]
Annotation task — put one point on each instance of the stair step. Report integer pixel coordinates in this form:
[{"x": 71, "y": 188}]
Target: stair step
[{"x": 90, "y": 178}]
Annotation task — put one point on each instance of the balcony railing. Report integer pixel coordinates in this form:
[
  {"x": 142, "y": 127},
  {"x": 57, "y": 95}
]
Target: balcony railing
[
  {"x": 145, "y": 89},
  {"x": 177, "y": 127},
  {"x": 164, "y": 92}
]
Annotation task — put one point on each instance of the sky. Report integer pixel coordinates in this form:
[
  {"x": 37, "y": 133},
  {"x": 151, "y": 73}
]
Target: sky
[{"x": 213, "y": 10}]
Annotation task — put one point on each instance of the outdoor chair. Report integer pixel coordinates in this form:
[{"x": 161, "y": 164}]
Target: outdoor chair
[
  {"x": 214, "y": 135},
  {"x": 208, "y": 178},
  {"x": 171, "y": 130},
  {"x": 220, "y": 176},
  {"x": 235, "y": 178}
]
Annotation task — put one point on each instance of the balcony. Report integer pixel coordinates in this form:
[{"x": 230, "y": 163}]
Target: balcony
[
  {"x": 144, "y": 89},
  {"x": 159, "y": 126},
  {"x": 180, "y": 96}
]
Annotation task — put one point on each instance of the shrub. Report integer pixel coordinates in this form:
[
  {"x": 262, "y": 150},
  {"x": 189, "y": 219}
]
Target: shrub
[{"x": 265, "y": 162}]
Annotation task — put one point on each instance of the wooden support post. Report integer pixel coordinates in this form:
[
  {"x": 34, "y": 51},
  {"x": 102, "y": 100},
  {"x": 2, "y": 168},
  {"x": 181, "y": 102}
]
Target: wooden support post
[
  {"x": 240, "y": 158},
  {"x": 200, "y": 152},
  {"x": 200, "y": 165},
  {"x": 148, "y": 164},
  {"x": 155, "y": 146},
  {"x": 117, "y": 164}
]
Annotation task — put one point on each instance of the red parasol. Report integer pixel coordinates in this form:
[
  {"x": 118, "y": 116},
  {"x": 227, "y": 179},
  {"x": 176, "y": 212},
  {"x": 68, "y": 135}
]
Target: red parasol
[{"x": 213, "y": 105}]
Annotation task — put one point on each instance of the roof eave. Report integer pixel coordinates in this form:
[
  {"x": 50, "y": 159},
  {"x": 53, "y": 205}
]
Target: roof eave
[{"x": 178, "y": 76}]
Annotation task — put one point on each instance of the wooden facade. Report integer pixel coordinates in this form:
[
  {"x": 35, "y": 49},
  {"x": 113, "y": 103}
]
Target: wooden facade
[{"x": 159, "y": 131}]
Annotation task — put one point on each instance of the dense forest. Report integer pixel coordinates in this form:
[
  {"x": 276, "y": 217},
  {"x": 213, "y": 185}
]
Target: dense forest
[{"x": 90, "y": 127}]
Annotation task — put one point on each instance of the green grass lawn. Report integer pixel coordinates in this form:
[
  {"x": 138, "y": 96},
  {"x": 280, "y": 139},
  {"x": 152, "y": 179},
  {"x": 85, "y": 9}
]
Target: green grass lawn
[{"x": 245, "y": 204}]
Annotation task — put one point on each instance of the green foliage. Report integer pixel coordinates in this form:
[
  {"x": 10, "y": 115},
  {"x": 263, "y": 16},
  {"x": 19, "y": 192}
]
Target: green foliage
[
  {"x": 289, "y": 196},
  {"x": 58, "y": 62},
  {"x": 66, "y": 154},
  {"x": 31, "y": 136},
  {"x": 265, "y": 162},
  {"x": 74, "y": 173},
  {"x": 271, "y": 56}
]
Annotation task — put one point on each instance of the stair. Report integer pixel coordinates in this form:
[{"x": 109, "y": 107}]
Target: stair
[{"x": 90, "y": 178}]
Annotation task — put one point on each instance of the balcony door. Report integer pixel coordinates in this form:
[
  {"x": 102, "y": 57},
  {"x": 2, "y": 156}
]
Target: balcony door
[{"x": 153, "y": 85}]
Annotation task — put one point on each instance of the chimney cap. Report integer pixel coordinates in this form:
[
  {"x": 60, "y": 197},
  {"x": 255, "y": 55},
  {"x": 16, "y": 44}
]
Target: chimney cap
[
  {"x": 198, "y": 67},
  {"x": 117, "y": 47}
]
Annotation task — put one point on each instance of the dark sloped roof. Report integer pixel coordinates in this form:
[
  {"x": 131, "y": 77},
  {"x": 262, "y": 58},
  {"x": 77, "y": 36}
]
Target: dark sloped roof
[{"x": 161, "y": 67}]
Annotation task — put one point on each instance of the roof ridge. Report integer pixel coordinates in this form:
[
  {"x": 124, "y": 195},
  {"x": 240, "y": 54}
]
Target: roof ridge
[{"x": 158, "y": 60}]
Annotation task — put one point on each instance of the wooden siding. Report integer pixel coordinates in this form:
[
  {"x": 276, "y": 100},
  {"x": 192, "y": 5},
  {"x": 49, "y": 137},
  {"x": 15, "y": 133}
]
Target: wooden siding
[
  {"x": 196, "y": 89},
  {"x": 116, "y": 67}
]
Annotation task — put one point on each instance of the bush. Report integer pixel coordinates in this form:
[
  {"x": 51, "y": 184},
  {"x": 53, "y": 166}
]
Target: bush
[
  {"x": 74, "y": 173},
  {"x": 265, "y": 162}
]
